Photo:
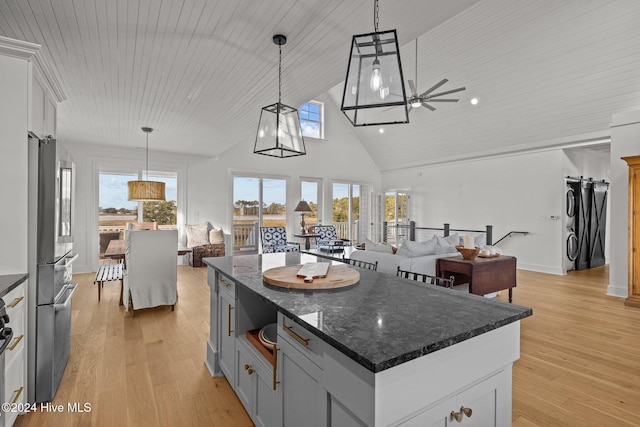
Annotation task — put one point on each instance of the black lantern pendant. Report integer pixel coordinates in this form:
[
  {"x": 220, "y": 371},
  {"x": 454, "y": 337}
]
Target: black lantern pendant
[
  {"x": 374, "y": 88},
  {"x": 279, "y": 132}
]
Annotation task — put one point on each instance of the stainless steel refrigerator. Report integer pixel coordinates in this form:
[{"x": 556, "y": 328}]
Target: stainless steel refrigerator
[{"x": 51, "y": 191}]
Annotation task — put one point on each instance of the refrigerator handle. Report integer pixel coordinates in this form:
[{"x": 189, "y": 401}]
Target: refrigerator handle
[{"x": 70, "y": 290}]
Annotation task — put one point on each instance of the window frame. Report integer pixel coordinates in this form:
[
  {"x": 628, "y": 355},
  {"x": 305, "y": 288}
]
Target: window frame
[{"x": 320, "y": 121}]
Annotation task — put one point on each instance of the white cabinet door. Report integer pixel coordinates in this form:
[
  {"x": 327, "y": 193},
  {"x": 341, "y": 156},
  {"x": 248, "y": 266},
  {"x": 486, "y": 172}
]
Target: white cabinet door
[
  {"x": 245, "y": 374},
  {"x": 476, "y": 406},
  {"x": 227, "y": 333},
  {"x": 267, "y": 410},
  {"x": 303, "y": 396}
]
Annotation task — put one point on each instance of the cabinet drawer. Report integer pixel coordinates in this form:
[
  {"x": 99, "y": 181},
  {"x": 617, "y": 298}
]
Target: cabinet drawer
[
  {"x": 226, "y": 285},
  {"x": 307, "y": 343},
  {"x": 14, "y": 390}
]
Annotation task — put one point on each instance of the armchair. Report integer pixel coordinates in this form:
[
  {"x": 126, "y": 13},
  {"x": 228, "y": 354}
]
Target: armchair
[
  {"x": 274, "y": 239},
  {"x": 151, "y": 272},
  {"x": 329, "y": 240}
]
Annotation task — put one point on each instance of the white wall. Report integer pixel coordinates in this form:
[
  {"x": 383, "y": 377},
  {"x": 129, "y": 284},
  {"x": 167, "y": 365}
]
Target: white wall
[
  {"x": 204, "y": 191},
  {"x": 625, "y": 141},
  {"x": 13, "y": 164},
  {"x": 510, "y": 192}
]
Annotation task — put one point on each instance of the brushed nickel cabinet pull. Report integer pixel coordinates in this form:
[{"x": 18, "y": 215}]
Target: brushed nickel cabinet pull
[
  {"x": 15, "y": 302},
  {"x": 15, "y": 343},
  {"x": 303, "y": 341},
  {"x": 249, "y": 369},
  {"x": 467, "y": 411},
  {"x": 225, "y": 283},
  {"x": 19, "y": 392}
]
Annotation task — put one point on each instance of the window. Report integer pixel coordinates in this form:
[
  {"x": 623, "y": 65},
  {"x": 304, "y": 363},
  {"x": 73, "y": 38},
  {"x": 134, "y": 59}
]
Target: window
[
  {"x": 311, "y": 119},
  {"x": 311, "y": 192},
  {"x": 349, "y": 205},
  {"x": 115, "y": 210},
  {"x": 257, "y": 202}
]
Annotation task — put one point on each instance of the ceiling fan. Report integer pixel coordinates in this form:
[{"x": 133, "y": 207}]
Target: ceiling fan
[{"x": 423, "y": 99}]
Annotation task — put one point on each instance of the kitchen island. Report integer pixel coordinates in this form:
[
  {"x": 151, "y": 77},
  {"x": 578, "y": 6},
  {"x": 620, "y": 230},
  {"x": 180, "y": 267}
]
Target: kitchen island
[{"x": 385, "y": 351}]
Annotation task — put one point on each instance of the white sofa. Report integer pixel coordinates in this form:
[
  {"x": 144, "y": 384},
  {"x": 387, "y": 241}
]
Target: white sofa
[
  {"x": 418, "y": 257},
  {"x": 389, "y": 263}
]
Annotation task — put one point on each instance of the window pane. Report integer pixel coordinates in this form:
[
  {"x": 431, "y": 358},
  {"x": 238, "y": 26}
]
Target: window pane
[
  {"x": 274, "y": 198},
  {"x": 246, "y": 193},
  {"x": 310, "y": 194},
  {"x": 355, "y": 212},
  {"x": 163, "y": 212},
  {"x": 114, "y": 210},
  {"x": 311, "y": 120}
]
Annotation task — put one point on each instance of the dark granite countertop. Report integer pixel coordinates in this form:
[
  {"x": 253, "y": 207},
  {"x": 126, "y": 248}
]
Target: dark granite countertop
[
  {"x": 9, "y": 281},
  {"x": 380, "y": 322}
]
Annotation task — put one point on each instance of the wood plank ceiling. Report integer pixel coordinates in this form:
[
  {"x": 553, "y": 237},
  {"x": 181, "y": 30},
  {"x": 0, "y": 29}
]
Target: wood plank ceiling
[{"x": 199, "y": 70}]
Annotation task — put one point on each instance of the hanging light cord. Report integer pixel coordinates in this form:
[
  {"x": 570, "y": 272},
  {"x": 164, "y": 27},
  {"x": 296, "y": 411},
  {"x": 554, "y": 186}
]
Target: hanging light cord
[
  {"x": 280, "y": 74},
  {"x": 375, "y": 15},
  {"x": 147, "y": 155}
]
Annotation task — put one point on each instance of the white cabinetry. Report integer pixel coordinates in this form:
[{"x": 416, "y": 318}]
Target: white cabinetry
[
  {"x": 303, "y": 395},
  {"x": 15, "y": 353},
  {"x": 227, "y": 338},
  {"x": 306, "y": 381}
]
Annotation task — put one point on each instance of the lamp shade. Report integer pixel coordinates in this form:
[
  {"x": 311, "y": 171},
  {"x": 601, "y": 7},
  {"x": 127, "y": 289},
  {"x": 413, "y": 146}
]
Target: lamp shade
[
  {"x": 374, "y": 91},
  {"x": 303, "y": 206},
  {"x": 279, "y": 132},
  {"x": 146, "y": 190}
]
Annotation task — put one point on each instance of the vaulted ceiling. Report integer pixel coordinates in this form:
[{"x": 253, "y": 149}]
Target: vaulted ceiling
[{"x": 199, "y": 71}]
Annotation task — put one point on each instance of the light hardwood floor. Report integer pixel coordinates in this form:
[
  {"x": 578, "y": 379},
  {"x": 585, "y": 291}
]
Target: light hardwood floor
[{"x": 579, "y": 364}]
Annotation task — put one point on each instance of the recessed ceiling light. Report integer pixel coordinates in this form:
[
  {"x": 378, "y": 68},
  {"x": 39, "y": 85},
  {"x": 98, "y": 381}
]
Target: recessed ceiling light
[
  {"x": 381, "y": 130},
  {"x": 474, "y": 101}
]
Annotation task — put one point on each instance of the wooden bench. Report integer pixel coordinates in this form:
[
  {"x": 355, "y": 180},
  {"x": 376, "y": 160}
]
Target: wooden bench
[{"x": 109, "y": 272}]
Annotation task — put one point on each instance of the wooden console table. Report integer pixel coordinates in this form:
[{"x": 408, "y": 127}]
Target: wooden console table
[{"x": 484, "y": 275}]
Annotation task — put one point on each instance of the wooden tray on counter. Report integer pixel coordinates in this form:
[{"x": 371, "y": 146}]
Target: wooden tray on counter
[{"x": 338, "y": 276}]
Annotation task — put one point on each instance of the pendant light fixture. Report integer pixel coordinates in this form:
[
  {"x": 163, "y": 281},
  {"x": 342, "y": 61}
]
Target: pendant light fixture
[
  {"x": 279, "y": 132},
  {"x": 145, "y": 191},
  {"x": 374, "y": 80}
]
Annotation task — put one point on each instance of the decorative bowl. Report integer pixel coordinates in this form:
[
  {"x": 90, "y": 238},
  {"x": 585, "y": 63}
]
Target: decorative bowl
[{"x": 468, "y": 253}]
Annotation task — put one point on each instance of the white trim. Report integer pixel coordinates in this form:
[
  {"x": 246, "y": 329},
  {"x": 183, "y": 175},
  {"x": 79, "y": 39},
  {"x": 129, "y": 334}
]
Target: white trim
[{"x": 32, "y": 52}]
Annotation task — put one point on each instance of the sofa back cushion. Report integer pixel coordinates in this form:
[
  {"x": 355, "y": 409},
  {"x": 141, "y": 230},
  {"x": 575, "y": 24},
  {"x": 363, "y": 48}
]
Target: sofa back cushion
[
  {"x": 411, "y": 249},
  {"x": 378, "y": 247}
]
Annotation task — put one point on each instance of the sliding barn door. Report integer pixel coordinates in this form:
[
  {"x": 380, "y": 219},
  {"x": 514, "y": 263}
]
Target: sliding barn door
[
  {"x": 583, "y": 190},
  {"x": 597, "y": 223}
]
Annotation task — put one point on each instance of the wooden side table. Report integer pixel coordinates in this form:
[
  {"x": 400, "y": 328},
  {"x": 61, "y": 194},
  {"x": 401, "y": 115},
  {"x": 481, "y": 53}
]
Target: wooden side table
[{"x": 484, "y": 275}]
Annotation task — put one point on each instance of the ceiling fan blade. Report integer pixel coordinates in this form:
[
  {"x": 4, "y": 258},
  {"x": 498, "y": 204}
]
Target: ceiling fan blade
[
  {"x": 434, "y": 87},
  {"x": 414, "y": 90},
  {"x": 424, "y": 104},
  {"x": 446, "y": 92},
  {"x": 443, "y": 100}
]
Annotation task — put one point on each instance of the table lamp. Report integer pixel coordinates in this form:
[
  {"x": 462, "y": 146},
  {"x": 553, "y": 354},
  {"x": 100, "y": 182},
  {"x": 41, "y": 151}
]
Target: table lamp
[{"x": 302, "y": 208}]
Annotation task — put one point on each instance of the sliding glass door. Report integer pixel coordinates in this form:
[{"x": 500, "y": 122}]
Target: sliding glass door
[
  {"x": 350, "y": 204},
  {"x": 257, "y": 201}
]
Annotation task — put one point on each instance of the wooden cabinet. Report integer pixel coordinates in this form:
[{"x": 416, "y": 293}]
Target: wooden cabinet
[
  {"x": 634, "y": 230},
  {"x": 15, "y": 353}
]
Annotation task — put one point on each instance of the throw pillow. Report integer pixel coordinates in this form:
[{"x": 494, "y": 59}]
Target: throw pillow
[
  {"x": 451, "y": 240},
  {"x": 197, "y": 235},
  {"x": 411, "y": 249},
  {"x": 216, "y": 236},
  {"x": 378, "y": 247}
]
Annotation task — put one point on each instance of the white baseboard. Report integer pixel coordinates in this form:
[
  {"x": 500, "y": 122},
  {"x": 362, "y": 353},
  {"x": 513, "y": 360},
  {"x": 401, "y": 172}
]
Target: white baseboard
[
  {"x": 541, "y": 268},
  {"x": 618, "y": 291}
]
